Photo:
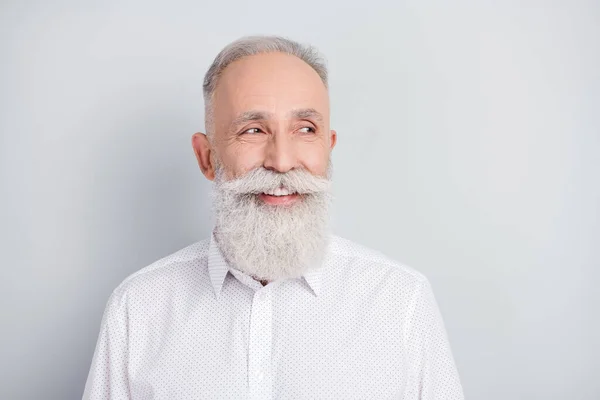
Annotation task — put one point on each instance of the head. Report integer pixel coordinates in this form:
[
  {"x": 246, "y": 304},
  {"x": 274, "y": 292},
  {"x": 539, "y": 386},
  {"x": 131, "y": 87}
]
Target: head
[{"x": 267, "y": 147}]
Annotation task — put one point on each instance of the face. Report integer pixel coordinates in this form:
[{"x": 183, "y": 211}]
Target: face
[
  {"x": 272, "y": 111},
  {"x": 269, "y": 158}
]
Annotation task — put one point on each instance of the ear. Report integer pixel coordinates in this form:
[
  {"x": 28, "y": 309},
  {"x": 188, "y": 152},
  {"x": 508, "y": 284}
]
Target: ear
[
  {"x": 202, "y": 149},
  {"x": 333, "y": 139}
]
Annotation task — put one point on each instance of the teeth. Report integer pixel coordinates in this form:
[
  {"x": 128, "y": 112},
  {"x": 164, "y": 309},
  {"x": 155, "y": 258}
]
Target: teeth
[{"x": 279, "y": 192}]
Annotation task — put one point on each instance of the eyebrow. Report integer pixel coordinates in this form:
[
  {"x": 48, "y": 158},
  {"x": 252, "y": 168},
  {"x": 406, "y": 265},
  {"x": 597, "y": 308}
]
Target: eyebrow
[
  {"x": 306, "y": 113},
  {"x": 249, "y": 116},
  {"x": 255, "y": 115}
]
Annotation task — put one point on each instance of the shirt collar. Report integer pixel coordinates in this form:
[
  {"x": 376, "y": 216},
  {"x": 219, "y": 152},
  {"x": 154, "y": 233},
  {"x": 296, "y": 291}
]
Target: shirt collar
[
  {"x": 217, "y": 266},
  {"x": 218, "y": 269},
  {"x": 314, "y": 279}
]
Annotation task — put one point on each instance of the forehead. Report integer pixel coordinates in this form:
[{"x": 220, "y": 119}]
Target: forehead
[{"x": 273, "y": 82}]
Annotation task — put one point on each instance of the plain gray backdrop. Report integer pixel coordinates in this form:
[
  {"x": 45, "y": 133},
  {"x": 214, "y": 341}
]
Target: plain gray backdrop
[{"x": 468, "y": 148}]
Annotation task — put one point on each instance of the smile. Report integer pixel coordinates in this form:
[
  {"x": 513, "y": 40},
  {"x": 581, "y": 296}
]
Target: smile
[
  {"x": 280, "y": 191},
  {"x": 279, "y": 196}
]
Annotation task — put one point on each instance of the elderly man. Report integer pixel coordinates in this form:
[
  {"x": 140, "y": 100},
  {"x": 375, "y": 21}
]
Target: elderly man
[{"x": 273, "y": 305}]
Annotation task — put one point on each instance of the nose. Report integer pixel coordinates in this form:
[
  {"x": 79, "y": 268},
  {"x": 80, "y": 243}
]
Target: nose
[{"x": 280, "y": 153}]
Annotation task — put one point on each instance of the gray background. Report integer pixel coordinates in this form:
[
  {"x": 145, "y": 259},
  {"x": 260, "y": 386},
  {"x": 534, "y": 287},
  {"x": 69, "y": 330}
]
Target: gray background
[{"x": 469, "y": 149}]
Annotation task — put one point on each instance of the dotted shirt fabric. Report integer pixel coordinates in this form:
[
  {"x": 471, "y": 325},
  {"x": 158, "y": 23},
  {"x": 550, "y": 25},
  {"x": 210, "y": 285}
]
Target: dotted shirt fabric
[{"x": 361, "y": 326}]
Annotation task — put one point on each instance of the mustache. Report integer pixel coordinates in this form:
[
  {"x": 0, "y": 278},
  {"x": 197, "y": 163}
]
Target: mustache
[{"x": 261, "y": 180}]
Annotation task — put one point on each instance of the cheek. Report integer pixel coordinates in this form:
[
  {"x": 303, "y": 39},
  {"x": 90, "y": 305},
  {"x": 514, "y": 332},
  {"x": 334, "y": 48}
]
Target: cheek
[
  {"x": 314, "y": 157},
  {"x": 242, "y": 158}
]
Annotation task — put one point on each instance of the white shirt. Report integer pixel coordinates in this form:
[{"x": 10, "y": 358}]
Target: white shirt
[{"x": 190, "y": 327}]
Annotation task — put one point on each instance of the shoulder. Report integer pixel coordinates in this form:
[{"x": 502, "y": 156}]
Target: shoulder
[
  {"x": 370, "y": 265},
  {"x": 182, "y": 268}
]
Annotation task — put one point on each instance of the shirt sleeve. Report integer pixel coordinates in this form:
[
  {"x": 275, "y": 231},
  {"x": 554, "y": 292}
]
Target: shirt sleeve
[
  {"x": 433, "y": 374},
  {"x": 108, "y": 378}
]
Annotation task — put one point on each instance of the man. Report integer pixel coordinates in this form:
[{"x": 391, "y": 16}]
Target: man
[{"x": 273, "y": 305}]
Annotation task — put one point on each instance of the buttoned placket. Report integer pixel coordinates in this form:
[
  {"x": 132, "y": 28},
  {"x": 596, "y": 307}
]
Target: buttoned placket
[{"x": 260, "y": 377}]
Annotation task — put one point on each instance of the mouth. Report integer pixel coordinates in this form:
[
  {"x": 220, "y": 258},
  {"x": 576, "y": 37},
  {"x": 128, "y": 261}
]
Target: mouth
[{"x": 279, "y": 196}]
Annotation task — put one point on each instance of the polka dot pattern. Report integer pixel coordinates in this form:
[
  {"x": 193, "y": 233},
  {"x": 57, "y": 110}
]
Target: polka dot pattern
[{"x": 189, "y": 327}]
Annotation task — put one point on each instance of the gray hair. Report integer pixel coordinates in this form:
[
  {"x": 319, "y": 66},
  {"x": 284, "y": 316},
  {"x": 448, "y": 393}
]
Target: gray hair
[{"x": 252, "y": 45}]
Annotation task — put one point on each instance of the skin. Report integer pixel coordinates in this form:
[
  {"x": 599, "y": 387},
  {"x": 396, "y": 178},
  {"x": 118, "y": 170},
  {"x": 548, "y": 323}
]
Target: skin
[{"x": 270, "y": 110}]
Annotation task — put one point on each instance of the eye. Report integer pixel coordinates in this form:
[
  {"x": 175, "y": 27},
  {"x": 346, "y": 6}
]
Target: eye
[
  {"x": 252, "y": 131},
  {"x": 307, "y": 129}
]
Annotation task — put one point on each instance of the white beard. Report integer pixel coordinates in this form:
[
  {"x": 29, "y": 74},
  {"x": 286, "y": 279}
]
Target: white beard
[{"x": 271, "y": 242}]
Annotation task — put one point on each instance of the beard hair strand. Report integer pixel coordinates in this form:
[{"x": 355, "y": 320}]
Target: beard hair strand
[{"x": 271, "y": 242}]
